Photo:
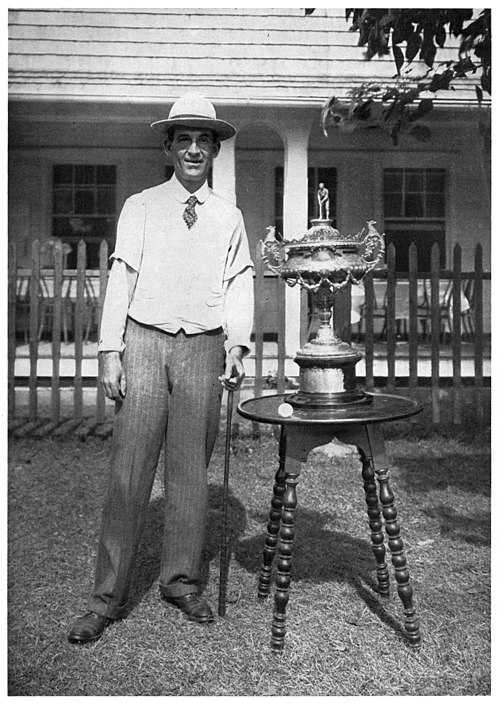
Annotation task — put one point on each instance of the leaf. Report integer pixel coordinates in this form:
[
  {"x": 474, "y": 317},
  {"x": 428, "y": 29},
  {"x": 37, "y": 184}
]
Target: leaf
[
  {"x": 440, "y": 35},
  {"x": 309, "y": 10},
  {"x": 402, "y": 30},
  {"x": 424, "y": 106},
  {"x": 399, "y": 58},
  {"x": 412, "y": 46},
  {"x": 428, "y": 54},
  {"x": 486, "y": 81}
]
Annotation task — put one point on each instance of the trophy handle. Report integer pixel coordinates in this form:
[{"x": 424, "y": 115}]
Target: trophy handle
[
  {"x": 372, "y": 247},
  {"x": 272, "y": 254}
]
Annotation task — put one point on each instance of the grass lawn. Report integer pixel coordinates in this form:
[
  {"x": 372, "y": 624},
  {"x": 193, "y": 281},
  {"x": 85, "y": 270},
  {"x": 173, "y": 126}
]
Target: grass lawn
[{"x": 342, "y": 639}]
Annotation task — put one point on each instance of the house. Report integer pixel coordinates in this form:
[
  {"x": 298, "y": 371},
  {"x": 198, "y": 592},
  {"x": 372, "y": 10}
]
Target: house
[{"x": 85, "y": 84}]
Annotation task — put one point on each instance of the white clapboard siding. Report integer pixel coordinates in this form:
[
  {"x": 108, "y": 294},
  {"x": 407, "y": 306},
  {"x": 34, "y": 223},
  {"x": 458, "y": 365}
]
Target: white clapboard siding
[{"x": 256, "y": 55}]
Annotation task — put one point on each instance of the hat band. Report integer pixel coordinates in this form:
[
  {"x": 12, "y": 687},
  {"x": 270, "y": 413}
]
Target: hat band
[{"x": 190, "y": 116}]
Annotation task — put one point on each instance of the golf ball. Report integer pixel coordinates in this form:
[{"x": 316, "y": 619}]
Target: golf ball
[{"x": 285, "y": 410}]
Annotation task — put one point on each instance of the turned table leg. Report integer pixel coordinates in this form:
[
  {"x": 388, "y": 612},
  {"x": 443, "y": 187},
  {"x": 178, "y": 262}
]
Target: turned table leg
[
  {"x": 284, "y": 563},
  {"x": 396, "y": 544},
  {"x": 398, "y": 555},
  {"x": 371, "y": 446},
  {"x": 375, "y": 522},
  {"x": 273, "y": 524}
]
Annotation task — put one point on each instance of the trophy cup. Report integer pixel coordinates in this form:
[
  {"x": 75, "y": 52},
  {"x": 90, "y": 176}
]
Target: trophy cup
[{"x": 323, "y": 262}]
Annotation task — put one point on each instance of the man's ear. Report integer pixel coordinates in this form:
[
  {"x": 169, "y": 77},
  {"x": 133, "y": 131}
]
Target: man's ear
[
  {"x": 167, "y": 144},
  {"x": 216, "y": 148}
]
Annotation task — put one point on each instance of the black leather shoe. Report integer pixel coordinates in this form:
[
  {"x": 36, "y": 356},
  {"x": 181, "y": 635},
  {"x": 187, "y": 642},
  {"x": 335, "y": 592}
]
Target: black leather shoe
[
  {"x": 193, "y": 606},
  {"x": 88, "y": 628}
]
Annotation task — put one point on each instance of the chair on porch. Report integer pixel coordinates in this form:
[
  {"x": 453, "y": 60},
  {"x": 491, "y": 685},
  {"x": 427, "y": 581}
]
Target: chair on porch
[
  {"x": 91, "y": 308},
  {"x": 23, "y": 306},
  {"x": 47, "y": 306},
  {"x": 446, "y": 310}
]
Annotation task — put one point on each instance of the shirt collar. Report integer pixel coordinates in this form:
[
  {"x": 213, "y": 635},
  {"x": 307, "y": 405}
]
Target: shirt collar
[{"x": 182, "y": 195}]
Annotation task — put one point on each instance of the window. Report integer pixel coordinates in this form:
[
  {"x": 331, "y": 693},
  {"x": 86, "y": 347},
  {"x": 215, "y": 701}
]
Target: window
[
  {"x": 414, "y": 211},
  {"x": 84, "y": 206},
  {"x": 315, "y": 176}
]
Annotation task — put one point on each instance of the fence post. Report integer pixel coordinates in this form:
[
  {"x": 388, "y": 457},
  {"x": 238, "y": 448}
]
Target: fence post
[
  {"x": 81, "y": 265},
  {"x": 391, "y": 317},
  {"x": 56, "y": 332},
  {"x": 369, "y": 334},
  {"x": 457, "y": 333},
  {"x": 100, "y": 412},
  {"x": 413, "y": 324},
  {"x": 12, "y": 282},
  {"x": 34, "y": 324},
  {"x": 478, "y": 327},
  {"x": 258, "y": 322},
  {"x": 435, "y": 332}
]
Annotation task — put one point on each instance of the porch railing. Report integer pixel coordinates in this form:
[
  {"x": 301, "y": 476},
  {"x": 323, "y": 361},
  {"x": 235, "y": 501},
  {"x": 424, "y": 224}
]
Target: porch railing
[{"x": 438, "y": 309}]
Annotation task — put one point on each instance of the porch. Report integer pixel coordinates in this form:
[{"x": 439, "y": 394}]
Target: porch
[{"x": 414, "y": 331}]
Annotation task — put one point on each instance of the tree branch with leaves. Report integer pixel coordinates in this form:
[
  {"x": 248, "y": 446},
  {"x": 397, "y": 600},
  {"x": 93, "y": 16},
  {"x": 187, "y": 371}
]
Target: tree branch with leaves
[{"x": 412, "y": 34}]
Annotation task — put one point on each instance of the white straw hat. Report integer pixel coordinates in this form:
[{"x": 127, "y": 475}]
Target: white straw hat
[{"x": 194, "y": 111}]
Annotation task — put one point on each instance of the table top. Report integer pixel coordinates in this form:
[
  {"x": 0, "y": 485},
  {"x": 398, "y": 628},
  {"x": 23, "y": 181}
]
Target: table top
[{"x": 383, "y": 408}]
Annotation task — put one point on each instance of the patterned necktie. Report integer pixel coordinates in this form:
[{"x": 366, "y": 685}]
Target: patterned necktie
[{"x": 189, "y": 215}]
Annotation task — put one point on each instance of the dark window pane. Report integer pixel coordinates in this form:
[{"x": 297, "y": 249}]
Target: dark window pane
[
  {"x": 103, "y": 227},
  {"x": 414, "y": 206},
  {"x": 84, "y": 202},
  {"x": 424, "y": 240},
  {"x": 435, "y": 205},
  {"x": 393, "y": 204},
  {"x": 85, "y": 174},
  {"x": 93, "y": 255},
  {"x": 61, "y": 227},
  {"x": 63, "y": 201},
  {"x": 393, "y": 180},
  {"x": 106, "y": 175},
  {"x": 106, "y": 201},
  {"x": 63, "y": 174},
  {"x": 435, "y": 181},
  {"x": 415, "y": 181}
]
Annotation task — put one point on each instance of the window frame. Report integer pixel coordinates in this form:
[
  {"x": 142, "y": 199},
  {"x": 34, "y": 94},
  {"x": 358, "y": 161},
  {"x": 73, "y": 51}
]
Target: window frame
[
  {"x": 95, "y": 186},
  {"x": 434, "y": 225}
]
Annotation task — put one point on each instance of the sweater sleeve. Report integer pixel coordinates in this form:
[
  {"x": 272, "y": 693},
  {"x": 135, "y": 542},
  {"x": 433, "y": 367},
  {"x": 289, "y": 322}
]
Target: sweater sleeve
[
  {"x": 238, "y": 257},
  {"x": 119, "y": 291},
  {"x": 238, "y": 309},
  {"x": 130, "y": 232}
]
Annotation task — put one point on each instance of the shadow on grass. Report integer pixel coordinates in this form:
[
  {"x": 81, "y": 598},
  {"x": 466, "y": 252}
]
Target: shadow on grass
[
  {"x": 149, "y": 556},
  {"x": 324, "y": 555}
]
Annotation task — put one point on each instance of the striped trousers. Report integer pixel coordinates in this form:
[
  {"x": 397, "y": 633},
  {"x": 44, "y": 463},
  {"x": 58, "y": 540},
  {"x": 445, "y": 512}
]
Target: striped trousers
[{"x": 173, "y": 395}]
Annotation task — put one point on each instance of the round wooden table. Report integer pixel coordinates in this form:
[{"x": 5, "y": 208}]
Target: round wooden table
[{"x": 301, "y": 431}]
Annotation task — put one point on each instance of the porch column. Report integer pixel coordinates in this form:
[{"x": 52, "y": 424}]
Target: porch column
[
  {"x": 294, "y": 223},
  {"x": 224, "y": 171}
]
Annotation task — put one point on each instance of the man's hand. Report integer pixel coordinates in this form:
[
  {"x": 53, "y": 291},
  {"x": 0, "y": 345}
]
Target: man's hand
[
  {"x": 234, "y": 372},
  {"x": 113, "y": 377}
]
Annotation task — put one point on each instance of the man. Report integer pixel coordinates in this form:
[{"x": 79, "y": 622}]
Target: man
[
  {"x": 176, "y": 325},
  {"x": 323, "y": 202}
]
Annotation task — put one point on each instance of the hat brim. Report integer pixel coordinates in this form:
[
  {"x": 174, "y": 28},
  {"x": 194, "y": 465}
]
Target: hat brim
[{"x": 224, "y": 130}]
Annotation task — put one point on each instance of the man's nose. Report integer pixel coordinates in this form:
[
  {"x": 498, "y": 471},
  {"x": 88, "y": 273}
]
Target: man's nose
[{"x": 193, "y": 147}]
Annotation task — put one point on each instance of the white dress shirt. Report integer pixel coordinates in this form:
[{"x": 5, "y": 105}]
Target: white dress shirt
[{"x": 166, "y": 275}]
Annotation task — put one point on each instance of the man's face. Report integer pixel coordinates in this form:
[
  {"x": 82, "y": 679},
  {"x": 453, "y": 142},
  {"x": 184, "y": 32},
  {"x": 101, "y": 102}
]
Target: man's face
[{"x": 192, "y": 152}]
